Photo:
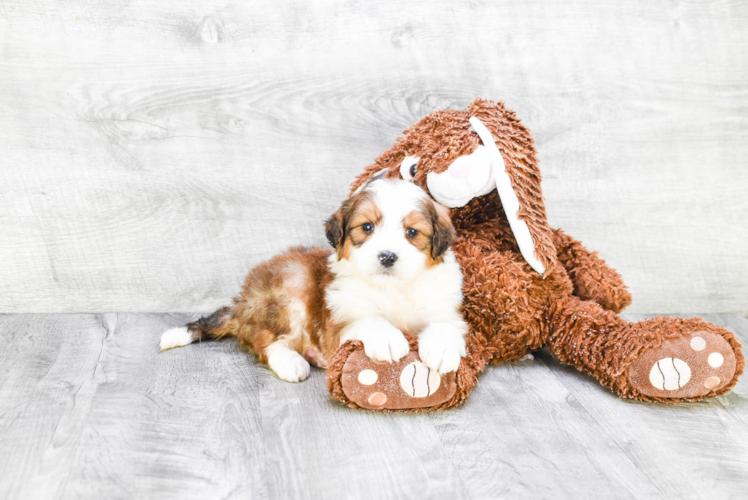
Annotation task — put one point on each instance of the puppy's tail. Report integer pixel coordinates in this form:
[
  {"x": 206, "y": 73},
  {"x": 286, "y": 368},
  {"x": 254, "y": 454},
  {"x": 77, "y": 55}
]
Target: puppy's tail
[{"x": 217, "y": 325}]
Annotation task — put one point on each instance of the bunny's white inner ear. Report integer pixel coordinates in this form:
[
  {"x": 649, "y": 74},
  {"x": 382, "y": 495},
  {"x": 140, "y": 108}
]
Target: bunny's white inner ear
[
  {"x": 379, "y": 175},
  {"x": 508, "y": 197}
]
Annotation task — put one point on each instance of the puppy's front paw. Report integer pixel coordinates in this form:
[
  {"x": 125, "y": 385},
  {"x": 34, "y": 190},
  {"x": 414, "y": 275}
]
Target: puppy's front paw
[
  {"x": 382, "y": 341},
  {"x": 388, "y": 345},
  {"x": 440, "y": 347}
]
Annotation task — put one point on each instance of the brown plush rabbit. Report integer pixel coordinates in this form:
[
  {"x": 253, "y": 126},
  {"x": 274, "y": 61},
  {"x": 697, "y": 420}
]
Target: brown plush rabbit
[{"x": 526, "y": 285}]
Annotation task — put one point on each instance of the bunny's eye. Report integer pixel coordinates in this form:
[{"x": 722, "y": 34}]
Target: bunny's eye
[{"x": 409, "y": 167}]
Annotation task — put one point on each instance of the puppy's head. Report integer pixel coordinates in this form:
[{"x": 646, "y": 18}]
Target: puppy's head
[{"x": 390, "y": 230}]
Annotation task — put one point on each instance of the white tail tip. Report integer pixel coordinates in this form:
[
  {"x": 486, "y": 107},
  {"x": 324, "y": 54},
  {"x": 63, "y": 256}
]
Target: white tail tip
[{"x": 176, "y": 337}]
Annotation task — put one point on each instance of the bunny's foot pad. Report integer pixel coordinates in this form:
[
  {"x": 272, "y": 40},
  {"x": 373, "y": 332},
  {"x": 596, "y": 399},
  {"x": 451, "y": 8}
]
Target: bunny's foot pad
[
  {"x": 407, "y": 384},
  {"x": 701, "y": 364}
]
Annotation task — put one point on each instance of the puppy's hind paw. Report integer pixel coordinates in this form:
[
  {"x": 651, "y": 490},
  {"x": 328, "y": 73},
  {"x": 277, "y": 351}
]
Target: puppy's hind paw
[{"x": 288, "y": 364}]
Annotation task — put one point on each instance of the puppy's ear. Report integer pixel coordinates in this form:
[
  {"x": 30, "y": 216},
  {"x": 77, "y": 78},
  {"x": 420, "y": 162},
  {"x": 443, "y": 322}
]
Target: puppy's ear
[
  {"x": 335, "y": 227},
  {"x": 444, "y": 233}
]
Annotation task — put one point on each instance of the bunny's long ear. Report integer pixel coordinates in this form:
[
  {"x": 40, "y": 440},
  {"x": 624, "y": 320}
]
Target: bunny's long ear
[{"x": 515, "y": 167}]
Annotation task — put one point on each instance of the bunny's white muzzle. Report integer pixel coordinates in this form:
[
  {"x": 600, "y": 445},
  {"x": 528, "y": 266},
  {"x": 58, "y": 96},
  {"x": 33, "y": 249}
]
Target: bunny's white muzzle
[{"x": 476, "y": 175}]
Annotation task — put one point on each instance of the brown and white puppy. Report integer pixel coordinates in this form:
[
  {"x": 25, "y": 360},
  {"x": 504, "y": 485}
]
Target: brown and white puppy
[{"x": 391, "y": 273}]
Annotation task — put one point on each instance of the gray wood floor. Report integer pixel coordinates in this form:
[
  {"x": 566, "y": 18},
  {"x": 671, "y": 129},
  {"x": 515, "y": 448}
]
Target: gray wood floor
[{"x": 90, "y": 409}]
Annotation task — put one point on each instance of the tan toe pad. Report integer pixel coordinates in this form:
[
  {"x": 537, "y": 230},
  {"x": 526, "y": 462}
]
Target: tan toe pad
[
  {"x": 406, "y": 384},
  {"x": 691, "y": 366}
]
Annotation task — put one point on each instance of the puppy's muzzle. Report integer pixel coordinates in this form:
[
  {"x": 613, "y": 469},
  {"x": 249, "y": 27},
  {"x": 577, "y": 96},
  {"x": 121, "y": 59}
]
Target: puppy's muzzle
[{"x": 387, "y": 259}]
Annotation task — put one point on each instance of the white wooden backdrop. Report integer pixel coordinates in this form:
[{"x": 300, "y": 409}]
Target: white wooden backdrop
[{"x": 152, "y": 152}]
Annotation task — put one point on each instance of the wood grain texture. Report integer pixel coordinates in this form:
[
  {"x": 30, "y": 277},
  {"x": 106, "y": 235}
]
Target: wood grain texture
[
  {"x": 527, "y": 436},
  {"x": 167, "y": 425},
  {"x": 675, "y": 446},
  {"x": 90, "y": 409},
  {"x": 151, "y": 153},
  {"x": 317, "y": 448},
  {"x": 48, "y": 366}
]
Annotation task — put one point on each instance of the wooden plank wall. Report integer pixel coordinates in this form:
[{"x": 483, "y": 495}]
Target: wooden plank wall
[{"x": 152, "y": 152}]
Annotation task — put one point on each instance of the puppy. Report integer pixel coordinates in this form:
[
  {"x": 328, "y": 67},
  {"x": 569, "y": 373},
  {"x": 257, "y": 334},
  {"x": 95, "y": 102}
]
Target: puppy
[{"x": 390, "y": 273}]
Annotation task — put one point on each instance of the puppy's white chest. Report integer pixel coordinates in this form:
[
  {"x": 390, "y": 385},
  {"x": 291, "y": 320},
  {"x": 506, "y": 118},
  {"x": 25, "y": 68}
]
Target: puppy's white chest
[
  {"x": 410, "y": 306},
  {"x": 405, "y": 309}
]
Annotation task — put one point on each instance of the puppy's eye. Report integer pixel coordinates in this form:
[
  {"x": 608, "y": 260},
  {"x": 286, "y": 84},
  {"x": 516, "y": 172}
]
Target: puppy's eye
[
  {"x": 409, "y": 167},
  {"x": 412, "y": 233},
  {"x": 368, "y": 227}
]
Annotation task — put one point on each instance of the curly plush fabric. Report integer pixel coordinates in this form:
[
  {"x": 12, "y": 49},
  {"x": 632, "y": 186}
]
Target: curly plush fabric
[{"x": 571, "y": 309}]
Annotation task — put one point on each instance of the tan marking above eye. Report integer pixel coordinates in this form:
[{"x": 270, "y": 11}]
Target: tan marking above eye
[
  {"x": 356, "y": 211},
  {"x": 420, "y": 222},
  {"x": 358, "y": 236},
  {"x": 364, "y": 212}
]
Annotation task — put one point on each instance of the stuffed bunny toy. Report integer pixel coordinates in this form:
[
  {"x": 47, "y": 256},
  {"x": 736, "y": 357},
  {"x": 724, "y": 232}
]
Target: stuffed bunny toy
[{"x": 526, "y": 285}]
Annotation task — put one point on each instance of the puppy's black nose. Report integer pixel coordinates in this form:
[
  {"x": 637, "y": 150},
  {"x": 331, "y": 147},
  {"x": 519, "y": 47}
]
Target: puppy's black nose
[{"x": 387, "y": 259}]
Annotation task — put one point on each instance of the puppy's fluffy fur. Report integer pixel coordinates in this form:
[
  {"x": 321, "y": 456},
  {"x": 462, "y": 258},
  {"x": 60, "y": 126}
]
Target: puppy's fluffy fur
[{"x": 391, "y": 273}]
